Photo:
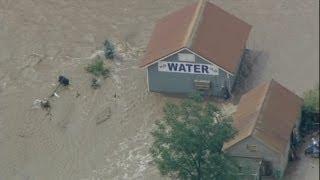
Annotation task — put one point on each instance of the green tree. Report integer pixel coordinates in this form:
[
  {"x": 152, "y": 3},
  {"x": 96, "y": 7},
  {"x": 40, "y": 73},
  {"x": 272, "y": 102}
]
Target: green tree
[
  {"x": 311, "y": 99},
  {"x": 188, "y": 142},
  {"x": 310, "y": 111}
]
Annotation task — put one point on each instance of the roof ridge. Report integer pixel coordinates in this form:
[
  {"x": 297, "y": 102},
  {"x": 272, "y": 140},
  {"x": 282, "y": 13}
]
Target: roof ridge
[
  {"x": 271, "y": 84},
  {"x": 194, "y": 23},
  {"x": 267, "y": 95},
  {"x": 265, "y": 99}
]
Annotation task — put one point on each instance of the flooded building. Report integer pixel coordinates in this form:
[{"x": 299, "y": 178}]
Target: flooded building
[
  {"x": 198, "y": 47},
  {"x": 266, "y": 119}
]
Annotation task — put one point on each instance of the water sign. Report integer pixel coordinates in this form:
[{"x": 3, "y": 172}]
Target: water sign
[{"x": 184, "y": 67}]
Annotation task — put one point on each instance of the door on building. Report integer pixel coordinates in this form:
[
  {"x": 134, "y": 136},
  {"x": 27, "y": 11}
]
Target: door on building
[{"x": 266, "y": 168}]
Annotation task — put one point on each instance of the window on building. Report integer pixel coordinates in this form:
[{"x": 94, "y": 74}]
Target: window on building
[
  {"x": 202, "y": 85},
  {"x": 185, "y": 57},
  {"x": 252, "y": 147}
]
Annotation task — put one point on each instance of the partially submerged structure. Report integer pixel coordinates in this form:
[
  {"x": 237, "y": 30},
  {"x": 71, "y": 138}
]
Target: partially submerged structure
[
  {"x": 198, "y": 47},
  {"x": 266, "y": 119}
]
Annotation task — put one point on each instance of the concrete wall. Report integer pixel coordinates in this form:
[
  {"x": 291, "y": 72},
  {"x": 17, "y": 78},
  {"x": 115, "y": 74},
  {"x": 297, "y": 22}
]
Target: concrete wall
[{"x": 170, "y": 82}]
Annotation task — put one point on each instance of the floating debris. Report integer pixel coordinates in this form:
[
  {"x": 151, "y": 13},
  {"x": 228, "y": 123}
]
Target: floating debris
[
  {"x": 103, "y": 116},
  {"x": 95, "y": 83},
  {"x": 44, "y": 104}
]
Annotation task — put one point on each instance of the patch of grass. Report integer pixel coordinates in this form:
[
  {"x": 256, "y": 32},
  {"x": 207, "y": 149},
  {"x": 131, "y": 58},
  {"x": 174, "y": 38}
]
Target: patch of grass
[{"x": 98, "y": 69}]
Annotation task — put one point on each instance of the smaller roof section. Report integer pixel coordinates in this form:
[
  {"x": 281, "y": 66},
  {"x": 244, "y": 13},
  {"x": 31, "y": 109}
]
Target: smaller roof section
[
  {"x": 268, "y": 113},
  {"x": 203, "y": 28}
]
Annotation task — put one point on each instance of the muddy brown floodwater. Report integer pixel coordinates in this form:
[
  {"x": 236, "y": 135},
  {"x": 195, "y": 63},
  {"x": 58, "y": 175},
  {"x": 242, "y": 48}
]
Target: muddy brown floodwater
[{"x": 41, "y": 39}]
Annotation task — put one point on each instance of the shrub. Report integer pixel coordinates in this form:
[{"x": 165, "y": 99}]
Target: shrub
[
  {"x": 310, "y": 111},
  {"x": 97, "y": 68},
  {"x": 109, "y": 50},
  {"x": 311, "y": 99}
]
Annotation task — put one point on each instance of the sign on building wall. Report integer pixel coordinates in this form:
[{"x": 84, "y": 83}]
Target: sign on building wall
[{"x": 184, "y": 67}]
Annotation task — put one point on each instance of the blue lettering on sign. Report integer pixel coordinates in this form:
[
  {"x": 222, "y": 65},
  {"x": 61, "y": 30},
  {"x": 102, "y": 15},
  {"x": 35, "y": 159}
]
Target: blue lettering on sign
[
  {"x": 205, "y": 69},
  {"x": 182, "y": 68},
  {"x": 197, "y": 68},
  {"x": 187, "y": 68},
  {"x": 172, "y": 66}
]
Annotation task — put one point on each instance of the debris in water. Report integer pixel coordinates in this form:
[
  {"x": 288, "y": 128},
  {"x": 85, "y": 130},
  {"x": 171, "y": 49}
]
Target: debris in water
[
  {"x": 95, "y": 83},
  {"x": 63, "y": 80},
  {"x": 56, "y": 95},
  {"x": 103, "y": 116},
  {"x": 44, "y": 104},
  {"x": 36, "y": 104}
]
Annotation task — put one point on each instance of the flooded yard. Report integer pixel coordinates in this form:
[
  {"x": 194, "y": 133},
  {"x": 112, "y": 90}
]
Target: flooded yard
[{"x": 42, "y": 39}]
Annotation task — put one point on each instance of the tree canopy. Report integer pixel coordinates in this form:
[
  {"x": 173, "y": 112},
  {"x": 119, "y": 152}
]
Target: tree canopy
[
  {"x": 310, "y": 111},
  {"x": 188, "y": 142},
  {"x": 311, "y": 99}
]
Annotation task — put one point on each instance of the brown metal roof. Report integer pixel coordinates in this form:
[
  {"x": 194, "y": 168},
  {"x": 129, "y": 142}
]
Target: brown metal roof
[
  {"x": 271, "y": 111},
  {"x": 169, "y": 34},
  {"x": 203, "y": 28},
  {"x": 221, "y": 37},
  {"x": 248, "y": 110}
]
